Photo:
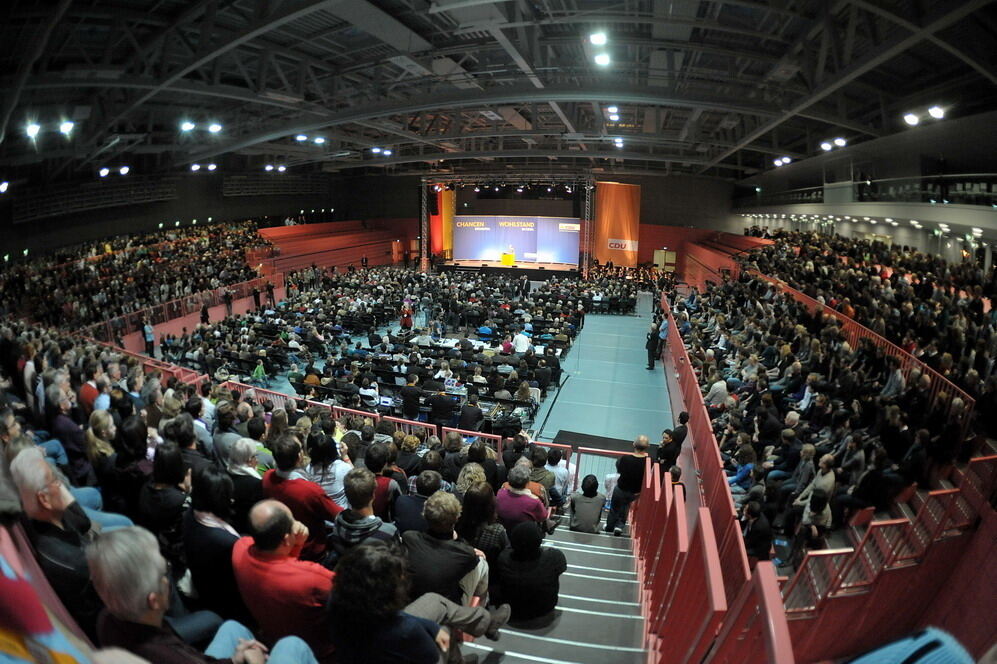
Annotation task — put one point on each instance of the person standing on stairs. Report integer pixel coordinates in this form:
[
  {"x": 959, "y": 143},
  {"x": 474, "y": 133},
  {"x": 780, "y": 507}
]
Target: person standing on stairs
[{"x": 631, "y": 470}]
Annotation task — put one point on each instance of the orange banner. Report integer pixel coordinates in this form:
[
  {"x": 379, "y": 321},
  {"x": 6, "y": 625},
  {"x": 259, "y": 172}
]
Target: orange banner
[{"x": 617, "y": 223}]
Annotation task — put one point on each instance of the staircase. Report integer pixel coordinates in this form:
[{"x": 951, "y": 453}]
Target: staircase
[{"x": 598, "y": 617}]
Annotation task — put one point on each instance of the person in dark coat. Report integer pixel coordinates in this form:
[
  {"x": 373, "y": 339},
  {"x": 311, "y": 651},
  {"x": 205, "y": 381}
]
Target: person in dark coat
[
  {"x": 652, "y": 344},
  {"x": 757, "y": 532},
  {"x": 529, "y": 575}
]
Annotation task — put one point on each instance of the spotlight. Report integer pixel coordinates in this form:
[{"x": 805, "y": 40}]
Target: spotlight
[
  {"x": 376, "y": 150},
  {"x": 104, "y": 172},
  {"x": 550, "y": 189},
  {"x": 195, "y": 167},
  {"x": 602, "y": 59},
  {"x": 319, "y": 140},
  {"x": 477, "y": 189},
  {"x": 777, "y": 162},
  {"x": 32, "y": 130},
  {"x": 496, "y": 188},
  {"x": 124, "y": 170},
  {"x": 4, "y": 186},
  {"x": 598, "y": 38},
  {"x": 177, "y": 223},
  {"x": 840, "y": 142},
  {"x": 214, "y": 127},
  {"x": 268, "y": 167},
  {"x": 281, "y": 168},
  {"x": 937, "y": 112},
  {"x": 187, "y": 125},
  {"x": 67, "y": 127},
  {"x": 786, "y": 160},
  {"x": 519, "y": 189},
  {"x": 211, "y": 167},
  {"x": 613, "y": 109},
  {"x": 614, "y": 117},
  {"x": 912, "y": 119},
  {"x": 209, "y": 219},
  {"x": 386, "y": 152},
  {"x": 825, "y": 146},
  {"x": 300, "y": 137}
]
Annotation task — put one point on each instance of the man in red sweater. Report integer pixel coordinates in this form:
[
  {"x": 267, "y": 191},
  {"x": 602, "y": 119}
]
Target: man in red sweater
[
  {"x": 286, "y": 596},
  {"x": 308, "y": 502}
]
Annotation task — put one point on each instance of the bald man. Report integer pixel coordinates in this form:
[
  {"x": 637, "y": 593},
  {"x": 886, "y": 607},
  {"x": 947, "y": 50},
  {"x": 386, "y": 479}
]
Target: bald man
[
  {"x": 631, "y": 470},
  {"x": 286, "y": 595}
]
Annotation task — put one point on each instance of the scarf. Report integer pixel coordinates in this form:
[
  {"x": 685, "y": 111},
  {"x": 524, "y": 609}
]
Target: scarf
[{"x": 209, "y": 520}]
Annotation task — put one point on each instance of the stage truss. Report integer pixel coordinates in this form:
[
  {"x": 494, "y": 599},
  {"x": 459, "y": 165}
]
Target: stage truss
[{"x": 585, "y": 183}]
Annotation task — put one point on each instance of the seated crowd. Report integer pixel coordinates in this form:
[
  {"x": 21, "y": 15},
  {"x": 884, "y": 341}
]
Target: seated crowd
[
  {"x": 188, "y": 523},
  {"x": 811, "y": 430},
  {"x": 102, "y": 280},
  {"x": 935, "y": 310}
]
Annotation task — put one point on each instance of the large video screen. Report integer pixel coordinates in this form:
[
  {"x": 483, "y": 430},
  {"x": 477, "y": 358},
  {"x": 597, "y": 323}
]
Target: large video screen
[{"x": 529, "y": 239}]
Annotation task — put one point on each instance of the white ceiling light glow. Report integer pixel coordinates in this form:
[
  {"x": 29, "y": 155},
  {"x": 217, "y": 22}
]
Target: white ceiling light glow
[
  {"x": 67, "y": 127},
  {"x": 912, "y": 119},
  {"x": 187, "y": 125},
  {"x": 598, "y": 39},
  {"x": 602, "y": 59},
  {"x": 937, "y": 112},
  {"x": 214, "y": 127}
]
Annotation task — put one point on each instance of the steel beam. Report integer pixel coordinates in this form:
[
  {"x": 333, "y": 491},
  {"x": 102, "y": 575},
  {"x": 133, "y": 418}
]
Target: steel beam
[{"x": 944, "y": 15}]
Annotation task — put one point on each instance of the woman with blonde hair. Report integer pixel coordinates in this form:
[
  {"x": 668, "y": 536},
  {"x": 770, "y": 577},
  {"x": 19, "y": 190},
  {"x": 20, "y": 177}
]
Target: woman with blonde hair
[
  {"x": 523, "y": 392},
  {"x": 99, "y": 436},
  {"x": 470, "y": 474}
]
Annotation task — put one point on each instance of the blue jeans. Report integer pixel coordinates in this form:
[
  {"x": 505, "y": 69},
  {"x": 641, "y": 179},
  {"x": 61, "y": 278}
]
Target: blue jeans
[
  {"x": 55, "y": 451},
  {"x": 108, "y": 520},
  {"x": 289, "y": 650},
  {"x": 776, "y": 475},
  {"x": 88, "y": 497}
]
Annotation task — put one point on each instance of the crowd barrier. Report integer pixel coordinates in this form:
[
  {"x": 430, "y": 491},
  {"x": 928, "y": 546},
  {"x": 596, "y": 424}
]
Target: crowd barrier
[
  {"x": 114, "y": 328},
  {"x": 714, "y": 489},
  {"x": 592, "y": 461},
  {"x": 409, "y": 426},
  {"x": 941, "y": 392}
]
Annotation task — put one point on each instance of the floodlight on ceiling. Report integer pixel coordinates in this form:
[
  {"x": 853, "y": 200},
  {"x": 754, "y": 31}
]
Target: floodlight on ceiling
[
  {"x": 912, "y": 119},
  {"x": 187, "y": 125},
  {"x": 777, "y": 162},
  {"x": 614, "y": 117},
  {"x": 826, "y": 146},
  {"x": 281, "y": 168},
  {"x": 376, "y": 150},
  {"x": 268, "y": 167},
  {"x": 66, "y": 127},
  {"x": 840, "y": 142},
  {"x": 937, "y": 112},
  {"x": 32, "y": 130},
  {"x": 4, "y": 186},
  {"x": 603, "y": 59},
  {"x": 300, "y": 137},
  {"x": 387, "y": 152},
  {"x": 319, "y": 140},
  {"x": 124, "y": 170},
  {"x": 613, "y": 109},
  {"x": 214, "y": 127},
  {"x": 195, "y": 167},
  {"x": 598, "y": 39},
  {"x": 104, "y": 172},
  {"x": 786, "y": 160},
  {"x": 212, "y": 167}
]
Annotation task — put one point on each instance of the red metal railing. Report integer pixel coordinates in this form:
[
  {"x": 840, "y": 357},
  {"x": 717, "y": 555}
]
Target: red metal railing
[
  {"x": 941, "y": 388},
  {"x": 714, "y": 489},
  {"x": 494, "y": 441},
  {"x": 112, "y": 328}
]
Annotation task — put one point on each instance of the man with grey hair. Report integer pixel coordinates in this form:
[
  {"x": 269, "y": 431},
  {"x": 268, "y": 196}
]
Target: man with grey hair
[
  {"x": 133, "y": 579},
  {"x": 70, "y": 434},
  {"x": 59, "y": 530}
]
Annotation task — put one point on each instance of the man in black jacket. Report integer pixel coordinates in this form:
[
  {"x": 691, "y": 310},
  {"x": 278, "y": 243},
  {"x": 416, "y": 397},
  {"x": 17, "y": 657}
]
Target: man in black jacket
[
  {"x": 470, "y": 415},
  {"x": 651, "y": 344},
  {"x": 757, "y": 532},
  {"x": 411, "y": 394}
]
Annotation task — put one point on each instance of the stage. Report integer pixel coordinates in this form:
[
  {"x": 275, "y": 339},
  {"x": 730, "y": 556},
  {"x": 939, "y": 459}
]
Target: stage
[{"x": 535, "y": 271}]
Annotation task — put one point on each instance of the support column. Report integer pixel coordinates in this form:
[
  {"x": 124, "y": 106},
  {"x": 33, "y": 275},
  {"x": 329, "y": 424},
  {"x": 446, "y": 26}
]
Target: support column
[{"x": 424, "y": 230}]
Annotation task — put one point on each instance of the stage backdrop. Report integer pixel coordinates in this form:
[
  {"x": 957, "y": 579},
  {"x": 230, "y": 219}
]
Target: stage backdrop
[
  {"x": 617, "y": 222},
  {"x": 532, "y": 239}
]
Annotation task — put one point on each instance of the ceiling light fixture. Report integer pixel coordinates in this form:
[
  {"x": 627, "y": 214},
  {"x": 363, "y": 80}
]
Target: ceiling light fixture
[
  {"x": 281, "y": 168},
  {"x": 602, "y": 59},
  {"x": 195, "y": 167},
  {"x": 4, "y": 186},
  {"x": 826, "y": 146},
  {"x": 786, "y": 160},
  {"x": 598, "y": 38},
  {"x": 937, "y": 112},
  {"x": 32, "y": 130},
  {"x": 214, "y": 127},
  {"x": 300, "y": 137},
  {"x": 386, "y": 152},
  {"x": 212, "y": 167},
  {"x": 124, "y": 170},
  {"x": 104, "y": 172},
  {"x": 187, "y": 125},
  {"x": 376, "y": 150},
  {"x": 268, "y": 167},
  {"x": 319, "y": 140},
  {"x": 67, "y": 127},
  {"x": 840, "y": 142},
  {"x": 911, "y": 119},
  {"x": 614, "y": 117}
]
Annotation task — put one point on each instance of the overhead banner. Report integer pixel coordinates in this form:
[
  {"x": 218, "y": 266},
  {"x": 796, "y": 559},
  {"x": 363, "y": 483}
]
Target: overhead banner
[{"x": 617, "y": 223}]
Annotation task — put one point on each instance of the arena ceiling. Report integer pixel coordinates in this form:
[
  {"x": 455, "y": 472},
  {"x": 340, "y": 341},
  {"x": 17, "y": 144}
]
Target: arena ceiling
[{"x": 701, "y": 86}]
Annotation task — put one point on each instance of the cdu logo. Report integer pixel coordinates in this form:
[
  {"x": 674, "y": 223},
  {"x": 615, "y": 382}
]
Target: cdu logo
[{"x": 623, "y": 245}]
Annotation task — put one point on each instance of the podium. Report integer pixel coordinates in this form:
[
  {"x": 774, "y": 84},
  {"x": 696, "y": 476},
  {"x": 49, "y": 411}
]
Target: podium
[{"x": 508, "y": 258}]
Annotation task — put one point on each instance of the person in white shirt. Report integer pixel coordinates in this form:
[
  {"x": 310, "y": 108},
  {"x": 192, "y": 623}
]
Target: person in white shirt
[
  {"x": 717, "y": 394},
  {"x": 521, "y": 343}
]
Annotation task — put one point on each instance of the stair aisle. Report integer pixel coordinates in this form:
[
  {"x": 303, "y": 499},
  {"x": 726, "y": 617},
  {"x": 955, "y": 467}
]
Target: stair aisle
[{"x": 598, "y": 617}]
